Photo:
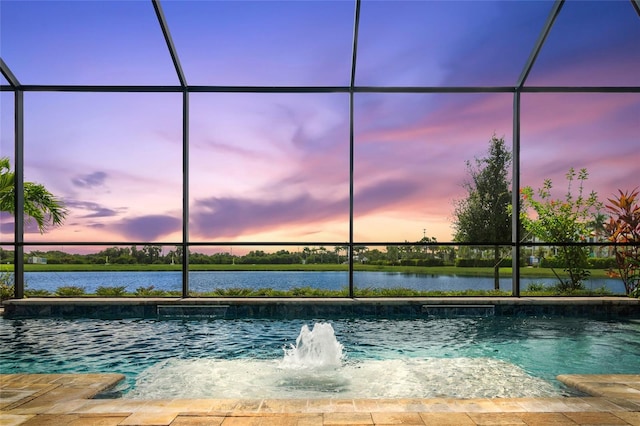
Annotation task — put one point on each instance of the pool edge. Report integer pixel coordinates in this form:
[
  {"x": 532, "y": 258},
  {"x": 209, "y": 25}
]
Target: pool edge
[{"x": 605, "y": 307}]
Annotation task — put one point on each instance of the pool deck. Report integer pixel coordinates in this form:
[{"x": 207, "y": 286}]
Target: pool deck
[{"x": 65, "y": 399}]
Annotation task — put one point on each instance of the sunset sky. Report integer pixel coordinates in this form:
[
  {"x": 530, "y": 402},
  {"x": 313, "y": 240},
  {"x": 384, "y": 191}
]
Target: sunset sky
[{"x": 275, "y": 167}]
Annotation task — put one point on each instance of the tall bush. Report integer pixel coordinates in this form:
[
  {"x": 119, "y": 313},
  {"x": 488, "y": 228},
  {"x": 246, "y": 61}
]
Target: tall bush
[
  {"x": 566, "y": 220},
  {"x": 624, "y": 228}
]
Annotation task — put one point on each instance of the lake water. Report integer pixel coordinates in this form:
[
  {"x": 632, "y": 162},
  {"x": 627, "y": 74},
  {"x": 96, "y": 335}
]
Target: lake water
[{"x": 204, "y": 281}]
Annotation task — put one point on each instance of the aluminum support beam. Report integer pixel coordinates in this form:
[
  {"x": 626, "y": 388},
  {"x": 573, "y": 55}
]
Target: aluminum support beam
[
  {"x": 185, "y": 194},
  {"x": 636, "y": 6},
  {"x": 169, "y": 40},
  {"x": 6, "y": 72},
  {"x": 553, "y": 14},
  {"x": 352, "y": 81},
  {"x": 323, "y": 89},
  {"x": 515, "y": 198},
  {"x": 18, "y": 187}
]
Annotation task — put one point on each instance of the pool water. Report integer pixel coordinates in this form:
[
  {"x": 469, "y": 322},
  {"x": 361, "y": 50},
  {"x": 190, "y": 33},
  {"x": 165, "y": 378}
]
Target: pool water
[{"x": 435, "y": 357}]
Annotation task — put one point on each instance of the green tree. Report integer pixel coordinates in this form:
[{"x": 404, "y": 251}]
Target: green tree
[
  {"x": 40, "y": 205},
  {"x": 152, "y": 253},
  {"x": 323, "y": 252},
  {"x": 306, "y": 252},
  {"x": 563, "y": 221},
  {"x": 393, "y": 254},
  {"x": 425, "y": 249},
  {"x": 483, "y": 216}
]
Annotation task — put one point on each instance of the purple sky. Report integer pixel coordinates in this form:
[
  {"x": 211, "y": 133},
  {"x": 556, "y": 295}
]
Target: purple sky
[{"x": 275, "y": 167}]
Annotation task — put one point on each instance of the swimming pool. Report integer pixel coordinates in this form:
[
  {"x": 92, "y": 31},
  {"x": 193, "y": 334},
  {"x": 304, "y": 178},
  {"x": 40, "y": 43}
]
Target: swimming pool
[{"x": 435, "y": 357}]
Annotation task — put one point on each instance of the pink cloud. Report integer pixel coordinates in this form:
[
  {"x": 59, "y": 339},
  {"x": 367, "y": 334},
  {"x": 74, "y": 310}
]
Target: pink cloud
[{"x": 233, "y": 217}]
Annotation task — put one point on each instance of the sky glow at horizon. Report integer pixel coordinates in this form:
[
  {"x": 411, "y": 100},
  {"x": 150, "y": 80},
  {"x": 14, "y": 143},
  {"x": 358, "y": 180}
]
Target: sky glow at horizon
[{"x": 275, "y": 167}]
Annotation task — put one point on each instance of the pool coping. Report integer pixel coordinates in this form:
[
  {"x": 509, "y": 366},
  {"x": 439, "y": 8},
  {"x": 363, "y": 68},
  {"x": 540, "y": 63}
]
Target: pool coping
[
  {"x": 608, "y": 307},
  {"x": 29, "y": 399}
]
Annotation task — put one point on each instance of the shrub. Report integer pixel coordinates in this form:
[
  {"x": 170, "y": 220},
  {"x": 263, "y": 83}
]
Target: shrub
[
  {"x": 539, "y": 289},
  {"x": 481, "y": 263},
  {"x": 561, "y": 290},
  {"x": 592, "y": 262},
  {"x": 117, "y": 291},
  {"x": 422, "y": 262},
  {"x": 149, "y": 291},
  {"x": 6, "y": 285},
  {"x": 314, "y": 292},
  {"x": 233, "y": 292},
  {"x": 36, "y": 292},
  {"x": 266, "y": 291},
  {"x": 407, "y": 292},
  {"x": 601, "y": 262},
  {"x": 70, "y": 290},
  {"x": 550, "y": 262},
  {"x": 536, "y": 287},
  {"x": 430, "y": 262}
]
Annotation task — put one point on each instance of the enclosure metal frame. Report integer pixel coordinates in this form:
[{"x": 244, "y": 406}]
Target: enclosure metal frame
[{"x": 516, "y": 243}]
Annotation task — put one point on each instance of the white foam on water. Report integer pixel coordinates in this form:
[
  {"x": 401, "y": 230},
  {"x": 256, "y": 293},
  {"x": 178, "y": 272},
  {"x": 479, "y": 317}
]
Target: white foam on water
[
  {"x": 315, "y": 368},
  {"x": 398, "y": 378}
]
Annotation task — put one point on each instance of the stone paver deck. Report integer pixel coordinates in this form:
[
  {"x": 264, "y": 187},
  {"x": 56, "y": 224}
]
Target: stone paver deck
[{"x": 65, "y": 399}]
